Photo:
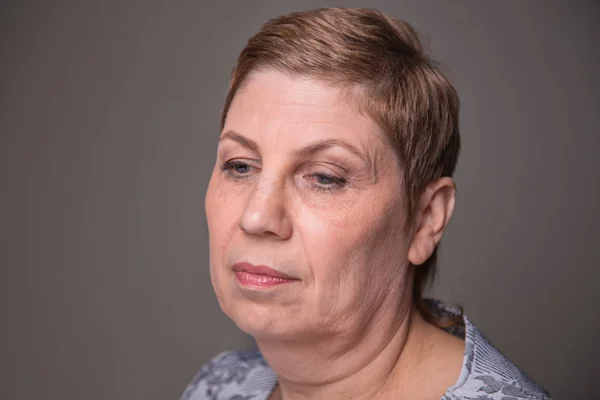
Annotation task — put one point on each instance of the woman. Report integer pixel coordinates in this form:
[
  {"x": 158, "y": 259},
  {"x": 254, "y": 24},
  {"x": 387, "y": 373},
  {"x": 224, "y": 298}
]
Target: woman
[{"x": 330, "y": 194}]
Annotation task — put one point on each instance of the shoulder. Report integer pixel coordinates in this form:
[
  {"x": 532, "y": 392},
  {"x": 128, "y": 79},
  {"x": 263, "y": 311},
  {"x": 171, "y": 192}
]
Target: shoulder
[
  {"x": 488, "y": 374},
  {"x": 232, "y": 375}
]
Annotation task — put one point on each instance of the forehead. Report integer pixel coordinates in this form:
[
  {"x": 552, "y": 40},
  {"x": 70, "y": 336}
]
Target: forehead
[{"x": 298, "y": 109}]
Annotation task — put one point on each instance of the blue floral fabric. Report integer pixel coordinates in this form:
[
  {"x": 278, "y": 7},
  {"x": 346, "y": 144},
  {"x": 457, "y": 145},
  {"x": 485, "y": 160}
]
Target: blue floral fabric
[{"x": 486, "y": 374}]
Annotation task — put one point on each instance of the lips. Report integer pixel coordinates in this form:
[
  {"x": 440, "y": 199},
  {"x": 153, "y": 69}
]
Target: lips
[{"x": 260, "y": 275}]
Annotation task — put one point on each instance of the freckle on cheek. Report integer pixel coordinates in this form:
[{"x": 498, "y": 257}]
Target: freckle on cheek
[{"x": 223, "y": 194}]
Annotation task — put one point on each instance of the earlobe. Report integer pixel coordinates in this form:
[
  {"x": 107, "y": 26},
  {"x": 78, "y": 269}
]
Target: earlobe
[
  {"x": 436, "y": 206},
  {"x": 421, "y": 249}
]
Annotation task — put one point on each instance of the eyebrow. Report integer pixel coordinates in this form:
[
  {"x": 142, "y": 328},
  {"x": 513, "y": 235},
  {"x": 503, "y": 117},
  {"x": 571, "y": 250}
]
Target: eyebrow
[
  {"x": 321, "y": 145},
  {"x": 241, "y": 139},
  {"x": 311, "y": 149}
]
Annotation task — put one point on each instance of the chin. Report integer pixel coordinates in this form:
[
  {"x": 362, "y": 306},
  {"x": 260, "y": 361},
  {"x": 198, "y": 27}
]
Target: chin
[
  {"x": 262, "y": 320},
  {"x": 259, "y": 313},
  {"x": 256, "y": 319}
]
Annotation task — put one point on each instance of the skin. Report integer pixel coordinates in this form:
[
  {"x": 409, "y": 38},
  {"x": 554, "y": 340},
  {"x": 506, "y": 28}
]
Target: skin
[{"x": 307, "y": 185}]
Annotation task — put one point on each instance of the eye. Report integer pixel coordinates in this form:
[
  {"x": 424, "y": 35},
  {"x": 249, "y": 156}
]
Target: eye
[
  {"x": 324, "y": 179},
  {"x": 237, "y": 169},
  {"x": 240, "y": 167},
  {"x": 327, "y": 182}
]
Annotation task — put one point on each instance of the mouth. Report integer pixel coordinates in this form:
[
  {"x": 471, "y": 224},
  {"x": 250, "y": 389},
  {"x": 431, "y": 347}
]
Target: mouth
[{"x": 260, "y": 276}]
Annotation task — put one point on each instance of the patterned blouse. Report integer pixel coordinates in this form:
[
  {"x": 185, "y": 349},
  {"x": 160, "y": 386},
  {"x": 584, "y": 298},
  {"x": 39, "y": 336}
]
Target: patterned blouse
[{"x": 486, "y": 374}]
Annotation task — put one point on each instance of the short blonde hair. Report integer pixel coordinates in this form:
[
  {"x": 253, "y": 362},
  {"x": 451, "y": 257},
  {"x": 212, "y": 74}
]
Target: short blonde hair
[{"x": 367, "y": 53}]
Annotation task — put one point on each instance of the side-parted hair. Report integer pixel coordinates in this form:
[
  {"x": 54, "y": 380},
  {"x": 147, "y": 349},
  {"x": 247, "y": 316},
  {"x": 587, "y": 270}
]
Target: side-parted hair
[{"x": 380, "y": 63}]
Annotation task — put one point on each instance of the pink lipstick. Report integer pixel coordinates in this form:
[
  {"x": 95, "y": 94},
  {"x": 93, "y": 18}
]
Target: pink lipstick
[{"x": 259, "y": 276}]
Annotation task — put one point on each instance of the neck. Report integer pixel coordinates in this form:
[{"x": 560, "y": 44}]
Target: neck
[{"x": 364, "y": 366}]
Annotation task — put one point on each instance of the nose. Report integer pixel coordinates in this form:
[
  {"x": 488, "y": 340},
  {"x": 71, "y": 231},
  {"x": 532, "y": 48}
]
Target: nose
[{"x": 265, "y": 213}]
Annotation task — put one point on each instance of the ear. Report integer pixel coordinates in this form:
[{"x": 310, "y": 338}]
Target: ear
[{"x": 433, "y": 213}]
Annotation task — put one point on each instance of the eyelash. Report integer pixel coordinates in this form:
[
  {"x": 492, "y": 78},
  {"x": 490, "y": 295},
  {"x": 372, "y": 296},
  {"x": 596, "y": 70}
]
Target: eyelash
[
  {"x": 229, "y": 168},
  {"x": 335, "y": 183}
]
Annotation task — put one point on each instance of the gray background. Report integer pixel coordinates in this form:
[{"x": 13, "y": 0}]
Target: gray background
[{"x": 109, "y": 116}]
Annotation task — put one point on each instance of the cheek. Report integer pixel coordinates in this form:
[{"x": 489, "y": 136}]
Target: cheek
[
  {"x": 222, "y": 225},
  {"x": 224, "y": 204},
  {"x": 341, "y": 228},
  {"x": 337, "y": 248},
  {"x": 223, "y": 209},
  {"x": 354, "y": 248},
  {"x": 210, "y": 199},
  {"x": 341, "y": 295}
]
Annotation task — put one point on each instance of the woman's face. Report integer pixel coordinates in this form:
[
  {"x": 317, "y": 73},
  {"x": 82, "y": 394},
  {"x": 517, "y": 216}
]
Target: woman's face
[{"x": 307, "y": 187}]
